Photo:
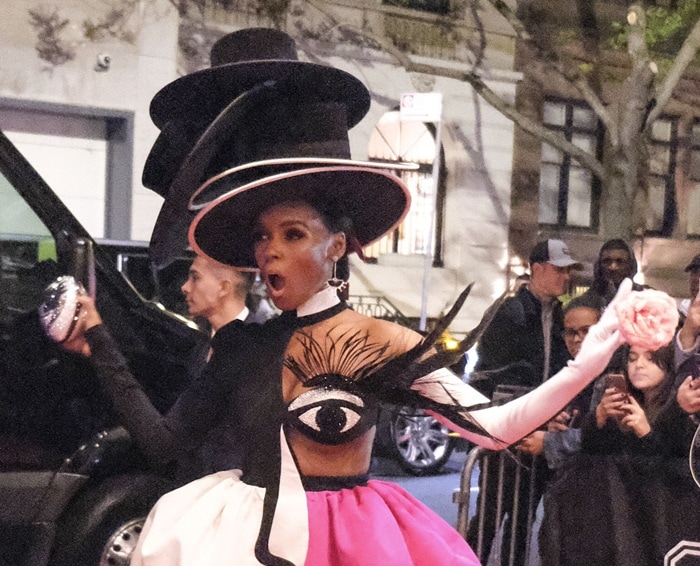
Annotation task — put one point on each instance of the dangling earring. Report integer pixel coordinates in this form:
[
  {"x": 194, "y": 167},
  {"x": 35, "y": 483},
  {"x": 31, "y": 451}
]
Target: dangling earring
[{"x": 334, "y": 281}]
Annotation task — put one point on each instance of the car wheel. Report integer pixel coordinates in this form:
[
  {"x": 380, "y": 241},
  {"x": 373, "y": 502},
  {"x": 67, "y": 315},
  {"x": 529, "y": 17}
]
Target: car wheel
[
  {"x": 104, "y": 525},
  {"x": 421, "y": 444},
  {"x": 121, "y": 545}
]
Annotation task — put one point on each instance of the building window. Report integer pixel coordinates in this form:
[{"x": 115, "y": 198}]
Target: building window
[
  {"x": 84, "y": 154},
  {"x": 75, "y": 168},
  {"x": 661, "y": 210},
  {"x": 569, "y": 193},
  {"x": 411, "y": 142},
  {"x": 694, "y": 192},
  {"x": 441, "y": 7}
]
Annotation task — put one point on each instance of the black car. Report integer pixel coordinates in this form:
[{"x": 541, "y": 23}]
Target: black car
[{"x": 73, "y": 488}]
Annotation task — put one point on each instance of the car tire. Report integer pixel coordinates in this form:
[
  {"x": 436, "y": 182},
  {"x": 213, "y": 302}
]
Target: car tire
[
  {"x": 110, "y": 537},
  {"x": 419, "y": 443}
]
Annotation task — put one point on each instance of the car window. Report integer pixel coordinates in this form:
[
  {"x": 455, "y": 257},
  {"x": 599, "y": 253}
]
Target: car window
[
  {"x": 49, "y": 403},
  {"x": 160, "y": 285}
]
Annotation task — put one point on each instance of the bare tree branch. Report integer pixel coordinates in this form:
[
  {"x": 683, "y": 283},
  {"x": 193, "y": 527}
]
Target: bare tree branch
[
  {"x": 551, "y": 59},
  {"x": 529, "y": 125},
  {"x": 685, "y": 55}
]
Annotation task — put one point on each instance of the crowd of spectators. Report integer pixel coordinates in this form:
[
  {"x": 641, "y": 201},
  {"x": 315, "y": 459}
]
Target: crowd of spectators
[{"x": 612, "y": 467}]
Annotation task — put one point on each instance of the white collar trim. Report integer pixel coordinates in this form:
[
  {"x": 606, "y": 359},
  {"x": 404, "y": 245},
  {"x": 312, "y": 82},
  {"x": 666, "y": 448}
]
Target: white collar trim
[{"x": 324, "y": 299}]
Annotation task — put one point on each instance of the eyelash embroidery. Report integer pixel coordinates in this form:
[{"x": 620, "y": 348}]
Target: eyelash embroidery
[
  {"x": 335, "y": 409},
  {"x": 336, "y": 359},
  {"x": 357, "y": 366}
]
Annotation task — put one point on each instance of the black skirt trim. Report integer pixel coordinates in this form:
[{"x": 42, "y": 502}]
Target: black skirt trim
[{"x": 333, "y": 483}]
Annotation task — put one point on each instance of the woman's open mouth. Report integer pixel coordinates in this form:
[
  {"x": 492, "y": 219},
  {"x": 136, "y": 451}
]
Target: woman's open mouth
[{"x": 275, "y": 282}]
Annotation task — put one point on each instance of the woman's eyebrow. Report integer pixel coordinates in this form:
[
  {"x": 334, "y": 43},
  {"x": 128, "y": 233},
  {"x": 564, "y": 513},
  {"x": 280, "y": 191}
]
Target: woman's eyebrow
[{"x": 294, "y": 222}]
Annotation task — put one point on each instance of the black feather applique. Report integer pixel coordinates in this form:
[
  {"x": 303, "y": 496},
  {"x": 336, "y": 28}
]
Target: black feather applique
[
  {"x": 349, "y": 357},
  {"x": 354, "y": 363}
]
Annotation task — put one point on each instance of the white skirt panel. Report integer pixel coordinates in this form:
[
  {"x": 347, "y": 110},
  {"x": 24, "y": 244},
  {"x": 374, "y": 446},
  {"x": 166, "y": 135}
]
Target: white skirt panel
[{"x": 216, "y": 520}]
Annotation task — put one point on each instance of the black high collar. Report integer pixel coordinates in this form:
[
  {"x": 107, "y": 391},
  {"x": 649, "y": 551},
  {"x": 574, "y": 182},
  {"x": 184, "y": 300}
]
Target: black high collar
[{"x": 291, "y": 318}]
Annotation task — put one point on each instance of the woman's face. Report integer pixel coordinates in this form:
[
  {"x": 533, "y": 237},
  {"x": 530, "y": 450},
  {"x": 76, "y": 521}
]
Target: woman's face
[
  {"x": 643, "y": 373},
  {"x": 295, "y": 252},
  {"x": 577, "y": 321}
]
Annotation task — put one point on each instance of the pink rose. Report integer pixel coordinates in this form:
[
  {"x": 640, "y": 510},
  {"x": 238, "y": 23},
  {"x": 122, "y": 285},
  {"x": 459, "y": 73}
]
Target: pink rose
[{"x": 647, "y": 319}]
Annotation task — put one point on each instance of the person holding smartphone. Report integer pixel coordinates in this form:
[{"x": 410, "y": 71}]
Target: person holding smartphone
[
  {"x": 633, "y": 402},
  {"x": 630, "y": 477}
]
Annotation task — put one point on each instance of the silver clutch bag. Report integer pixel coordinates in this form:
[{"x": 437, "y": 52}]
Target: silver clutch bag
[{"x": 60, "y": 310}]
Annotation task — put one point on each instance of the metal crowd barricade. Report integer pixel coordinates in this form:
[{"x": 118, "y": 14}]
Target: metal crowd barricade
[{"x": 493, "y": 463}]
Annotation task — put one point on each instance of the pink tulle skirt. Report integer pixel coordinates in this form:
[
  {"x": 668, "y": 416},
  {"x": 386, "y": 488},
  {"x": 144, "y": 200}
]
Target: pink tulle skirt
[
  {"x": 215, "y": 521},
  {"x": 380, "y": 523}
]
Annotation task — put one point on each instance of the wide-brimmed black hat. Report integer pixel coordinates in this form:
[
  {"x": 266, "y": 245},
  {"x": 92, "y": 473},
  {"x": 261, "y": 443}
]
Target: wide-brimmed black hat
[
  {"x": 199, "y": 112},
  {"x": 245, "y": 58},
  {"x": 240, "y": 60},
  {"x": 295, "y": 153},
  {"x": 374, "y": 199}
]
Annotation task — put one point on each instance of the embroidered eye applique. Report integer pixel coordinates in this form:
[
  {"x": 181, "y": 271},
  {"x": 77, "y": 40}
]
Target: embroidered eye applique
[
  {"x": 330, "y": 416},
  {"x": 336, "y": 409},
  {"x": 370, "y": 373}
]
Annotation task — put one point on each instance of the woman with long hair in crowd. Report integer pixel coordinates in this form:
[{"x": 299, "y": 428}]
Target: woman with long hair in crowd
[
  {"x": 627, "y": 497},
  {"x": 642, "y": 416}
]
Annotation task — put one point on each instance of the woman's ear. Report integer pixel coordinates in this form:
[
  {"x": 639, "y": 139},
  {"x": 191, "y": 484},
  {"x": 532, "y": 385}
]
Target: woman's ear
[{"x": 338, "y": 245}]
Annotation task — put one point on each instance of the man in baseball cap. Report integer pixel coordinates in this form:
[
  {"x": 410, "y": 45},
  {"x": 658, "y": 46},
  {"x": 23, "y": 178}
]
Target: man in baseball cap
[
  {"x": 554, "y": 252},
  {"x": 550, "y": 264},
  {"x": 523, "y": 346}
]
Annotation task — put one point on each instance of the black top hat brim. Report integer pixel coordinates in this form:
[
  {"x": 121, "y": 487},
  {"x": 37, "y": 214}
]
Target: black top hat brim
[
  {"x": 375, "y": 200},
  {"x": 169, "y": 151},
  {"x": 248, "y": 173},
  {"x": 205, "y": 93}
]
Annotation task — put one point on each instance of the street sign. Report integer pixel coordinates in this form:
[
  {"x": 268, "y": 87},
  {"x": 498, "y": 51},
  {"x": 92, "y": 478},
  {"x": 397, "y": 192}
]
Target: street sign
[{"x": 421, "y": 106}]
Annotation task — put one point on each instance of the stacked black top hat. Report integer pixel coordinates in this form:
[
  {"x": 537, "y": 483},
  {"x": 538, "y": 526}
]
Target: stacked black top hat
[{"x": 257, "y": 112}]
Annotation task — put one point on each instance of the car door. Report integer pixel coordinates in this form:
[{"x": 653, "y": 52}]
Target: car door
[
  {"x": 49, "y": 404},
  {"x": 52, "y": 409}
]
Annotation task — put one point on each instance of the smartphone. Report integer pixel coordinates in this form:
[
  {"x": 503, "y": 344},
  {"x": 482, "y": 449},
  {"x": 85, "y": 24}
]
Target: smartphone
[
  {"x": 695, "y": 366},
  {"x": 618, "y": 381}
]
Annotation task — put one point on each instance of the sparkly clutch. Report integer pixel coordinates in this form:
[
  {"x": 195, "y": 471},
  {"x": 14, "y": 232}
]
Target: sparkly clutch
[{"x": 60, "y": 309}]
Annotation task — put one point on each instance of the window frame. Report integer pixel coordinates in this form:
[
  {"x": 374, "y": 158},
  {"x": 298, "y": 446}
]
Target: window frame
[
  {"x": 694, "y": 150},
  {"x": 670, "y": 207},
  {"x": 394, "y": 238},
  {"x": 565, "y": 168}
]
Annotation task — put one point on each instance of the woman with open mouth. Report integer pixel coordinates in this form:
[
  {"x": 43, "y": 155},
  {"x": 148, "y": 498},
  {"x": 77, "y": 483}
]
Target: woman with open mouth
[{"x": 305, "y": 387}]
